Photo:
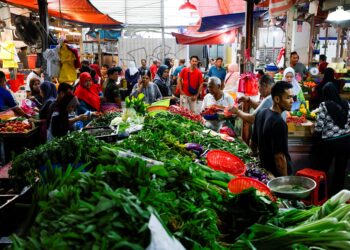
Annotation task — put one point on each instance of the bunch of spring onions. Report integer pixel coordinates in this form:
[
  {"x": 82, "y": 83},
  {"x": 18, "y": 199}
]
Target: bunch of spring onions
[{"x": 325, "y": 227}]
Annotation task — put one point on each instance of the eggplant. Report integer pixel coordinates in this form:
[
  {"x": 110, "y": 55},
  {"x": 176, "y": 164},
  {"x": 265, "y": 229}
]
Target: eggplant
[{"x": 194, "y": 147}]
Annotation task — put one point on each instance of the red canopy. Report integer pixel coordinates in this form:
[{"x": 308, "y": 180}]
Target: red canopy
[
  {"x": 80, "y": 11},
  {"x": 206, "y": 38}
]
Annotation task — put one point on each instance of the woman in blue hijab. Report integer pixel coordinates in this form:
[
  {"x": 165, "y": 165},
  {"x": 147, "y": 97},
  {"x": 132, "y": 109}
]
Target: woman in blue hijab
[
  {"x": 48, "y": 92},
  {"x": 162, "y": 80}
]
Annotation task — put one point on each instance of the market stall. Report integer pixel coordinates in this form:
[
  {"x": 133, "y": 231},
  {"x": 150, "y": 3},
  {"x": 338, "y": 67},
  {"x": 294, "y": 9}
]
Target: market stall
[{"x": 157, "y": 182}]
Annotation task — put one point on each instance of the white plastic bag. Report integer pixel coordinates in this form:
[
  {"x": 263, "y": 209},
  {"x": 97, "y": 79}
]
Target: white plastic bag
[{"x": 160, "y": 239}]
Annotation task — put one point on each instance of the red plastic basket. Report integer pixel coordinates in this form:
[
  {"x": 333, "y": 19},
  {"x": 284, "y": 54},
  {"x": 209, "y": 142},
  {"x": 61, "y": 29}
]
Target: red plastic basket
[
  {"x": 226, "y": 162},
  {"x": 239, "y": 184}
]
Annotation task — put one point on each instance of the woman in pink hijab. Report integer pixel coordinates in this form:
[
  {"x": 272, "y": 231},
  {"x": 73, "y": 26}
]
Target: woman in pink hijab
[{"x": 232, "y": 77}]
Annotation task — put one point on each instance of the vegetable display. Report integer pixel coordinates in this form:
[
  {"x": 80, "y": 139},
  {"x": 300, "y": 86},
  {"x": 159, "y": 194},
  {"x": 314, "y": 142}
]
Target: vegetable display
[
  {"x": 161, "y": 136},
  {"x": 185, "y": 113},
  {"x": 104, "y": 119},
  {"x": 71, "y": 149},
  {"x": 109, "y": 206},
  {"x": 325, "y": 227}
]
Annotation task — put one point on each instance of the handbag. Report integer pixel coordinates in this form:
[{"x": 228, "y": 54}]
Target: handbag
[{"x": 190, "y": 89}]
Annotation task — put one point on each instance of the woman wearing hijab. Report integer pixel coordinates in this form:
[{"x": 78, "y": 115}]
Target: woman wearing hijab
[
  {"x": 333, "y": 124},
  {"x": 132, "y": 75},
  {"x": 60, "y": 122},
  {"x": 48, "y": 93},
  {"x": 148, "y": 88},
  {"x": 35, "y": 96},
  {"x": 162, "y": 80},
  {"x": 87, "y": 93},
  {"x": 317, "y": 95},
  {"x": 289, "y": 76}
]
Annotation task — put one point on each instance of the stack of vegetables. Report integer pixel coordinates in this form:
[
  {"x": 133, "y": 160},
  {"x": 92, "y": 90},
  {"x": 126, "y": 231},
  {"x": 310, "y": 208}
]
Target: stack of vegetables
[
  {"x": 109, "y": 206},
  {"x": 325, "y": 227}
]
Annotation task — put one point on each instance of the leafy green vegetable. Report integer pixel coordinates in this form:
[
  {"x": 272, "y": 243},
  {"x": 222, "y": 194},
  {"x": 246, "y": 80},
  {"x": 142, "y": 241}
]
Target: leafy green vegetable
[
  {"x": 71, "y": 149},
  {"x": 136, "y": 103},
  {"x": 105, "y": 119}
]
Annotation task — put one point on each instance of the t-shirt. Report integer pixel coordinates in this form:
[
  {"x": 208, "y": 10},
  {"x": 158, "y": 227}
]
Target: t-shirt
[
  {"x": 220, "y": 73},
  {"x": 226, "y": 101},
  {"x": 300, "y": 69},
  {"x": 270, "y": 133},
  {"x": 29, "y": 77},
  {"x": 153, "y": 70},
  {"x": 266, "y": 104},
  {"x": 6, "y": 99},
  {"x": 112, "y": 91},
  {"x": 178, "y": 70},
  {"x": 190, "y": 78}
]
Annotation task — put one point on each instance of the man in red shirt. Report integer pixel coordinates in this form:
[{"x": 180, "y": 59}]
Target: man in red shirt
[
  {"x": 154, "y": 67},
  {"x": 190, "y": 83}
]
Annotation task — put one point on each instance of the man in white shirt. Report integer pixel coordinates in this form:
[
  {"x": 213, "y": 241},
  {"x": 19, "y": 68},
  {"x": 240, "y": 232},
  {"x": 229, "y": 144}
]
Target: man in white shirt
[{"x": 216, "y": 97}]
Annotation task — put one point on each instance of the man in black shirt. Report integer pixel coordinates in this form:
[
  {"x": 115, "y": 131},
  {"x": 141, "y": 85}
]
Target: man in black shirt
[
  {"x": 270, "y": 133},
  {"x": 110, "y": 88}
]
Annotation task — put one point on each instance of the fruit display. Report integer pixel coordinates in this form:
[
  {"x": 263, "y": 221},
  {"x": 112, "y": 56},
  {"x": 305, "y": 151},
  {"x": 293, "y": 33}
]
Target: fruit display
[
  {"x": 309, "y": 84},
  {"x": 15, "y": 126},
  {"x": 303, "y": 113}
]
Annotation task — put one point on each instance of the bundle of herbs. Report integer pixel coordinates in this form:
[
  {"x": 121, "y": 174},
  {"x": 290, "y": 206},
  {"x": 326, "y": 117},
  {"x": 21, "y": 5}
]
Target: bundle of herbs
[
  {"x": 89, "y": 212},
  {"x": 72, "y": 149}
]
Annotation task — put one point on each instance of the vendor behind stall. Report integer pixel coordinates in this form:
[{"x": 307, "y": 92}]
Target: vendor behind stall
[
  {"x": 270, "y": 133},
  {"x": 333, "y": 126},
  {"x": 216, "y": 97},
  {"x": 149, "y": 89},
  {"x": 289, "y": 76},
  {"x": 87, "y": 93},
  {"x": 6, "y": 99},
  {"x": 60, "y": 122}
]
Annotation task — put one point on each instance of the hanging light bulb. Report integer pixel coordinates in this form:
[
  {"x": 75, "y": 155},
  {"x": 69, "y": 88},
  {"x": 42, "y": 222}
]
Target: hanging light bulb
[
  {"x": 339, "y": 15},
  {"x": 188, "y": 6}
]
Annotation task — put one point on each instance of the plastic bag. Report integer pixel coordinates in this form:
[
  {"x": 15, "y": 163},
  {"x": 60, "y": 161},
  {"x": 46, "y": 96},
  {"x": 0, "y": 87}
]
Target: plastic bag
[
  {"x": 28, "y": 106},
  {"x": 248, "y": 84},
  {"x": 160, "y": 238}
]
